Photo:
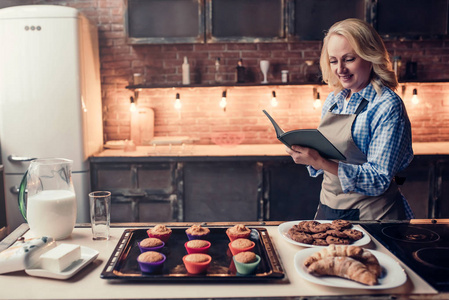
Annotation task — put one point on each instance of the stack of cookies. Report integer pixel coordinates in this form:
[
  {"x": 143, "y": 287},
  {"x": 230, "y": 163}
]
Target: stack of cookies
[{"x": 324, "y": 234}]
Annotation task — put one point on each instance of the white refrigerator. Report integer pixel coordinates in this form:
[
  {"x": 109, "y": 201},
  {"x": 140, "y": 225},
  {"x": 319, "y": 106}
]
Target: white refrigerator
[{"x": 50, "y": 96}]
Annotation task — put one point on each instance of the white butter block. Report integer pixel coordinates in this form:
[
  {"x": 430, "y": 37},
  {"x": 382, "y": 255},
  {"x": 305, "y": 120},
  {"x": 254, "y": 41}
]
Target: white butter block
[{"x": 60, "y": 257}]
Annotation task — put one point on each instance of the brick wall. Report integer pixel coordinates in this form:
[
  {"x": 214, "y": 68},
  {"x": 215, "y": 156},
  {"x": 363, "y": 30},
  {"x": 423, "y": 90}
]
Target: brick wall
[{"x": 201, "y": 116}]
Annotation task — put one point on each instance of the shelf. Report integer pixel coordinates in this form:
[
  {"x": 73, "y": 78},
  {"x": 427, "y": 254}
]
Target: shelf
[
  {"x": 177, "y": 86},
  {"x": 157, "y": 86}
]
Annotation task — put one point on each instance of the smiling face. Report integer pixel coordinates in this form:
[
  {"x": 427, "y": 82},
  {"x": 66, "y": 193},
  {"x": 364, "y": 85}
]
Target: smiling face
[{"x": 352, "y": 71}]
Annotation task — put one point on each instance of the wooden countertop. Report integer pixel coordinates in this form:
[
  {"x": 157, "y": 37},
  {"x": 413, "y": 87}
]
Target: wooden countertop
[
  {"x": 87, "y": 284},
  {"x": 244, "y": 150}
]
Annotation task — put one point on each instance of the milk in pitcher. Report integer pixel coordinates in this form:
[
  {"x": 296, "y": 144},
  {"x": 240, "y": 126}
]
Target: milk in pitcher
[{"x": 52, "y": 213}]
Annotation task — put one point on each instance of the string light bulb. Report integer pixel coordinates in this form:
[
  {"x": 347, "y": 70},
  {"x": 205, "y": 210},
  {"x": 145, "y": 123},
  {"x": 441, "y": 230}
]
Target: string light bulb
[
  {"x": 274, "y": 100},
  {"x": 223, "y": 102},
  {"x": 132, "y": 107},
  {"x": 178, "y": 103},
  {"x": 415, "y": 99},
  {"x": 317, "y": 102}
]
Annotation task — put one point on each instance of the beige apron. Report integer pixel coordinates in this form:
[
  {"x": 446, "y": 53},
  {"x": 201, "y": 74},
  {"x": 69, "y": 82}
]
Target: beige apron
[{"x": 334, "y": 204}]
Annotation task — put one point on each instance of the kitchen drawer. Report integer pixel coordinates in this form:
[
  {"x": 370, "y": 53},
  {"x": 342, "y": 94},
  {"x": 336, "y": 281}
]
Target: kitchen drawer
[{"x": 156, "y": 178}]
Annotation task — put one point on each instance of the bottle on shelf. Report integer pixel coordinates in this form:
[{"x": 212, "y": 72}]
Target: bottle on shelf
[
  {"x": 185, "y": 72},
  {"x": 240, "y": 72}
]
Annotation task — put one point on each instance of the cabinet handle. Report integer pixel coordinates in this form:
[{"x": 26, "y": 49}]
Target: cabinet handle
[
  {"x": 137, "y": 195},
  {"x": 14, "y": 158}
]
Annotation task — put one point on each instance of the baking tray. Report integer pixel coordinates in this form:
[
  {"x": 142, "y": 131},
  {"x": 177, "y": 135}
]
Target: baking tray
[{"x": 123, "y": 261}]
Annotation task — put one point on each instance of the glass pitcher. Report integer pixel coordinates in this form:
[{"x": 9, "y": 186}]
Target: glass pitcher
[{"x": 47, "y": 198}]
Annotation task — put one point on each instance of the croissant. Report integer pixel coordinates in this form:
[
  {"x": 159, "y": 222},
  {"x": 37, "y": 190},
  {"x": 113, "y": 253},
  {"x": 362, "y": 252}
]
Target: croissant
[
  {"x": 345, "y": 267},
  {"x": 333, "y": 251},
  {"x": 371, "y": 262}
]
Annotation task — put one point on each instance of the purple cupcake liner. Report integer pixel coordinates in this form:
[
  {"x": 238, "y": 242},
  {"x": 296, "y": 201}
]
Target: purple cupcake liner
[
  {"x": 152, "y": 267},
  {"x": 145, "y": 249},
  {"x": 197, "y": 237}
]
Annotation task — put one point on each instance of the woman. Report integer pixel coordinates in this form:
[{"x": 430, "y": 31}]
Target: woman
[{"x": 367, "y": 122}]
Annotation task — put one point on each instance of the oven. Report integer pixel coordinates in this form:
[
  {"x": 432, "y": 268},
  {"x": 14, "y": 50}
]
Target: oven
[{"x": 421, "y": 244}]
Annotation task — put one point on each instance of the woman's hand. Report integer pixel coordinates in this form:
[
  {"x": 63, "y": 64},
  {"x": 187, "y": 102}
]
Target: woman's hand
[{"x": 311, "y": 157}]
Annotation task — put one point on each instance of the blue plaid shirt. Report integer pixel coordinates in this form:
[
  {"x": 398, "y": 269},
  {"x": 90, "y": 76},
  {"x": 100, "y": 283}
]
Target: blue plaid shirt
[{"x": 382, "y": 131}]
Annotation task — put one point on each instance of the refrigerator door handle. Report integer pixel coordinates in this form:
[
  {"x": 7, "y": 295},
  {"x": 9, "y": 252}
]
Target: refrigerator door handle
[
  {"x": 14, "y": 158},
  {"x": 14, "y": 190}
]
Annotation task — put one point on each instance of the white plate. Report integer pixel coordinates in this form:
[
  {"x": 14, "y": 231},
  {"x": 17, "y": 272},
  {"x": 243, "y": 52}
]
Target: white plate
[
  {"x": 392, "y": 273},
  {"x": 87, "y": 255},
  {"x": 284, "y": 227}
]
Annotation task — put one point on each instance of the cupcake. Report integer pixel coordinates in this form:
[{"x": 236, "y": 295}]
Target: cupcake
[
  {"x": 196, "y": 232},
  {"x": 246, "y": 262},
  {"x": 197, "y": 263},
  {"x": 241, "y": 245},
  {"x": 197, "y": 246},
  {"x": 239, "y": 231},
  {"x": 151, "y": 261},
  {"x": 161, "y": 232},
  {"x": 151, "y": 244}
]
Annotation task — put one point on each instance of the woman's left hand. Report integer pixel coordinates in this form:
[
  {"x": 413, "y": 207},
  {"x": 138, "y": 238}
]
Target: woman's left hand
[{"x": 311, "y": 157}]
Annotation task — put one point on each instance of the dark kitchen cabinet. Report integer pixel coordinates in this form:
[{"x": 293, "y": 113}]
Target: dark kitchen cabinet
[
  {"x": 416, "y": 187},
  {"x": 440, "y": 194},
  {"x": 164, "y": 21},
  {"x": 289, "y": 192},
  {"x": 140, "y": 192},
  {"x": 426, "y": 187},
  {"x": 239, "y": 188},
  {"x": 247, "y": 21},
  {"x": 309, "y": 19},
  {"x": 222, "y": 191},
  {"x": 411, "y": 18}
]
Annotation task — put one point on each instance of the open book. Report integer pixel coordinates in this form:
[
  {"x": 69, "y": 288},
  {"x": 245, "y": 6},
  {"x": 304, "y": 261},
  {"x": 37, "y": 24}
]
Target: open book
[{"x": 311, "y": 138}]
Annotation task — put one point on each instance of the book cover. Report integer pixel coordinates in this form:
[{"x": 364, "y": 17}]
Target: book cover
[{"x": 311, "y": 138}]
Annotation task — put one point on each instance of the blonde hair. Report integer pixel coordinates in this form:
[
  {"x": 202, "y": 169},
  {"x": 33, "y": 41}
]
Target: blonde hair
[{"x": 367, "y": 43}]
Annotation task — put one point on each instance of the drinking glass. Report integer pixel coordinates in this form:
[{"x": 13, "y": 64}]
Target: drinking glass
[{"x": 100, "y": 214}]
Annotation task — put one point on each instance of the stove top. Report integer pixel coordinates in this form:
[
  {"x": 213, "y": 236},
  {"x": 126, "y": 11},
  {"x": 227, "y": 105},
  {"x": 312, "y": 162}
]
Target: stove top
[{"x": 423, "y": 245}]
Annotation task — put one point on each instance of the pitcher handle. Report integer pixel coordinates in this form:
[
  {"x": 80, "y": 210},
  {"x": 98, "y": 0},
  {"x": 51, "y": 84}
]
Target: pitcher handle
[{"x": 22, "y": 196}]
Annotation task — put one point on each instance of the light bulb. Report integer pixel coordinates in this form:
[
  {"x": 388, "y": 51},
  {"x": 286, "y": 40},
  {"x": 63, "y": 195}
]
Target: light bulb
[
  {"x": 274, "y": 101},
  {"x": 223, "y": 102},
  {"x": 132, "y": 107},
  {"x": 415, "y": 99},
  {"x": 317, "y": 102},
  {"x": 178, "y": 103}
]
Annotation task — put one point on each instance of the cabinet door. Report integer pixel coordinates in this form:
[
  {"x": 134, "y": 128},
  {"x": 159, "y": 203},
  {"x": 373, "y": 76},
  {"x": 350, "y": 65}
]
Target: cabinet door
[
  {"x": 416, "y": 187},
  {"x": 165, "y": 21},
  {"x": 441, "y": 189},
  {"x": 411, "y": 18},
  {"x": 141, "y": 192},
  {"x": 290, "y": 193},
  {"x": 310, "y": 19},
  {"x": 245, "y": 20},
  {"x": 222, "y": 191}
]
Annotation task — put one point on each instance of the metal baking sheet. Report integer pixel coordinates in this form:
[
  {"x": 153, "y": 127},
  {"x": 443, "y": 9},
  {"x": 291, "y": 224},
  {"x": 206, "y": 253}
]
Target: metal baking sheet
[{"x": 123, "y": 262}]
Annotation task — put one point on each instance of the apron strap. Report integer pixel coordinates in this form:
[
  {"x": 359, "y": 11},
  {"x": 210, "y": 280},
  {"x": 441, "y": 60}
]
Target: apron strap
[{"x": 361, "y": 106}]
